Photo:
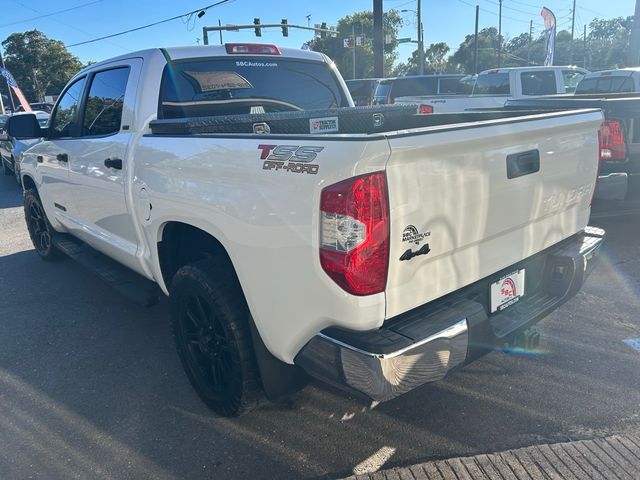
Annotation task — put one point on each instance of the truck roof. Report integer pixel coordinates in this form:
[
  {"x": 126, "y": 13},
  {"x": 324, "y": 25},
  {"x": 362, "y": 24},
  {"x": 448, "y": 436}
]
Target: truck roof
[
  {"x": 614, "y": 71},
  {"x": 198, "y": 51},
  {"x": 533, "y": 67}
]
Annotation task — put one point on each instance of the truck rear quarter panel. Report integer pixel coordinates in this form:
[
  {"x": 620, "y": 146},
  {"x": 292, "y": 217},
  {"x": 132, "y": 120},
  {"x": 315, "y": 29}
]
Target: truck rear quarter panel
[{"x": 267, "y": 220}]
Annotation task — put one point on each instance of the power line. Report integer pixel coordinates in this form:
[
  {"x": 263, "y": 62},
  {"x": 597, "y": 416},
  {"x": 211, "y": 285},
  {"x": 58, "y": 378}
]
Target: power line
[
  {"x": 45, "y": 15},
  {"x": 494, "y": 13},
  {"x": 17, "y": 2},
  {"x": 151, "y": 24}
]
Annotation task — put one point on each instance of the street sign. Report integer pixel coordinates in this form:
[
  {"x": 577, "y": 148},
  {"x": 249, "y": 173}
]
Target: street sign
[{"x": 404, "y": 40}]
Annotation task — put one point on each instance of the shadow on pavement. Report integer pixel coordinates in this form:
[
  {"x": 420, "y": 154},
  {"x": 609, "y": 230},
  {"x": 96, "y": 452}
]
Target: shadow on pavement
[
  {"x": 91, "y": 386},
  {"x": 10, "y": 192}
]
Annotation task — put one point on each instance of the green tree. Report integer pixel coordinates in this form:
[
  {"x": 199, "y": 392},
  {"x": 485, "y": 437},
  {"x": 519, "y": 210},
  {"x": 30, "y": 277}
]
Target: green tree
[
  {"x": 434, "y": 61},
  {"x": 463, "y": 59},
  {"x": 362, "y": 24},
  {"x": 40, "y": 65},
  {"x": 608, "y": 42}
]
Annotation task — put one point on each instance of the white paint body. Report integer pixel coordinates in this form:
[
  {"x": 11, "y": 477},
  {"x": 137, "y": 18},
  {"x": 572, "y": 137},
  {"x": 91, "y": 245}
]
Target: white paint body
[
  {"x": 450, "y": 182},
  {"x": 461, "y": 103}
]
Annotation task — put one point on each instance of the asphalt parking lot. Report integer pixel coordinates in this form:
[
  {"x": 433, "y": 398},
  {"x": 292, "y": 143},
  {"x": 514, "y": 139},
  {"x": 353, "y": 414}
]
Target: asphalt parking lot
[{"x": 91, "y": 386}]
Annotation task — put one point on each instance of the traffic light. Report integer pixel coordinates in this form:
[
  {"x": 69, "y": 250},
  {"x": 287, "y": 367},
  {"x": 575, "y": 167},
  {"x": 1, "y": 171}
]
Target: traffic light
[
  {"x": 323, "y": 27},
  {"x": 285, "y": 28},
  {"x": 258, "y": 30}
]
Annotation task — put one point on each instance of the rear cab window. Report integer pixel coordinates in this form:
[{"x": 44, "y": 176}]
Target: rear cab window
[
  {"x": 541, "y": 82},
  {"x": 448, "y": 86},
  {"x": 492, "y": 83},
  {"x": 605, "y": 84},
  {"x": 232, "y": 85},
  {"x": 409, "y": 87}
]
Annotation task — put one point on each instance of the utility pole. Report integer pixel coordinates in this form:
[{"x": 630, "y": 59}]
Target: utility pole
[
  {"x": 530, "y": 39},
  {"x": 378, "y": 40},
  {"x": 353, "y": 39},
  {"x": 420, "y": 41},
  {"x": 633, "y": 55},
  {"x": 475, "y": 41},
  {"x": 573, "y": 24},
  {"x": 220, "y": 24},
  {"x": 584, "y": 46},
  {"x": 500, "y": 36}
]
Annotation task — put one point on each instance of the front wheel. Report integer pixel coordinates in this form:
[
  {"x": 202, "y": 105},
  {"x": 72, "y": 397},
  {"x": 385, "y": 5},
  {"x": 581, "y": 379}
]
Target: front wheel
[
  {"x": 5, "y": 168},
  {"x": 210, "y": 322},
  {"x": 40, "y": 230}
]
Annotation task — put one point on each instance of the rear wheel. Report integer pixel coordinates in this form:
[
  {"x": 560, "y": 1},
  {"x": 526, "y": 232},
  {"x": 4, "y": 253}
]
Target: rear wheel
[
  {"x": 210, "y": 322},
  {"x": 16, "y": 172},
  {"x": 40, "y": 230}
]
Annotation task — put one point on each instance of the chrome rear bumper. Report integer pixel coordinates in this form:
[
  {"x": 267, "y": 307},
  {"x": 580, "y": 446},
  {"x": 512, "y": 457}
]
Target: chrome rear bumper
[
  {"x": 423, "y": 345},
  {"x": 385, "y": 376}
]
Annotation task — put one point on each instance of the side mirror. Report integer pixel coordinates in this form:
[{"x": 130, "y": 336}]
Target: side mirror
[{"x": 24, "y": 126}]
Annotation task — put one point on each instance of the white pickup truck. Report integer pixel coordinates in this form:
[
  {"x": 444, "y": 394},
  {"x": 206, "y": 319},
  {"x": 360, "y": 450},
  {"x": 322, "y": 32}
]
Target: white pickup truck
[
  {"x": 492, "y": 88},
  {"x": 376, "y": 261}
]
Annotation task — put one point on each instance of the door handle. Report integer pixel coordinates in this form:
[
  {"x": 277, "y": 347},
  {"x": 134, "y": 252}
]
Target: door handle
[
  {"x": 62, "y": 157},
  {"x": 113, "y": 163},
  {"x": 524, "y": 163}
]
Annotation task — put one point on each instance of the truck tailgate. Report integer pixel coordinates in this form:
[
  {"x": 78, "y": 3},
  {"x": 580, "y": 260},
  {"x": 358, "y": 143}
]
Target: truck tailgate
[{"x": 484, "y": 196}]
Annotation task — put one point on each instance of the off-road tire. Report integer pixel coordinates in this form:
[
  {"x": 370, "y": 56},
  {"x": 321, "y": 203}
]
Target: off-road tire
[
  {"x": 40, "y": 230},
  {"x": 211, "y": 327}
]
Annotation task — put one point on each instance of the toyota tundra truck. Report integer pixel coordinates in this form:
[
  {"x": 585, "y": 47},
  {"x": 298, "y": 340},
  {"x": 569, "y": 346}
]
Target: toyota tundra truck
[{"x": 296, "y": 234}]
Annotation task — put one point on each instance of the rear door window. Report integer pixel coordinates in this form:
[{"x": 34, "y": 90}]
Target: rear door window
[
  {"x": 539, "y": 82},
  {"x": 103, "y": 108},
  {"x": 229, "y": 86}
]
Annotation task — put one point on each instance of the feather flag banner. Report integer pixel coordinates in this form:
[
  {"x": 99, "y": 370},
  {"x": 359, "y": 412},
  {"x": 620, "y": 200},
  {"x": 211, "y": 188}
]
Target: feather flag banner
[
  {"x": 550, "y": 32},
  {"x": 13, "y": 85}
]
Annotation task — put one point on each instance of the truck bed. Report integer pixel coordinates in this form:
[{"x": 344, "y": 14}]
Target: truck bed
[{"x": 481, "y": 191}]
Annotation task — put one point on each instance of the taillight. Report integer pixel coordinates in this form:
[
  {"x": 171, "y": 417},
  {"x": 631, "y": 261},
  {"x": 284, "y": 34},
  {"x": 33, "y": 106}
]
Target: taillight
[
  {"x": 354, "y": 233},
  {"x": 611, "y": 140},
  {"x": 252, "y": 48},
  {"x": 425, "y": 109}
]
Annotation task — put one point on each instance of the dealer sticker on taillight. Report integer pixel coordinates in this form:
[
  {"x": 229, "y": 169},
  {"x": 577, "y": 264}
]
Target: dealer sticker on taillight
[{"x": 507, "y": 291}]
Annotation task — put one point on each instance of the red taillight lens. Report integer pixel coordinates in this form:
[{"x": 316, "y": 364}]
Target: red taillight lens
[
  {"x": 252, "y": 48},
  {"x": 611, "y": 140},
  {"x": 425, "y": 109},
  {"x": 354, "y": 233}
]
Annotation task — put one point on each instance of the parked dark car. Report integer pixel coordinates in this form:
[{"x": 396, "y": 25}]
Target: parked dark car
[
  {"x": 362, "y": 90},
  {"x": 389, "y": 89},
  {"x": 11, "y": 149}
]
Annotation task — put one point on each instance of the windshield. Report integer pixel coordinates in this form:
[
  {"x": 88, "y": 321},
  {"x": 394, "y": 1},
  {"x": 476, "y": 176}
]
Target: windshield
[{"x": 230, "y": 86}]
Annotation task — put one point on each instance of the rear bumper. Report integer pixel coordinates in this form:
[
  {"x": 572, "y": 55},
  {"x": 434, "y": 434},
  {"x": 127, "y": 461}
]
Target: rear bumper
[
  {"x": 423, "y": 345},
  {"x": 617, "y": 193}
]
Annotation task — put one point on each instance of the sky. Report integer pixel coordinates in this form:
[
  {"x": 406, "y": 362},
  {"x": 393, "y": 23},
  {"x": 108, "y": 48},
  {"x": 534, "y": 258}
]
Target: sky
[{"x": 443, "y": 20}]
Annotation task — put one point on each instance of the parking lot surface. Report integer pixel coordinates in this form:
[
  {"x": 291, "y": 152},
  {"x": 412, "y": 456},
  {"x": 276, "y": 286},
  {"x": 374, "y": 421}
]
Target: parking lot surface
[{"x": 91, "y": 385}]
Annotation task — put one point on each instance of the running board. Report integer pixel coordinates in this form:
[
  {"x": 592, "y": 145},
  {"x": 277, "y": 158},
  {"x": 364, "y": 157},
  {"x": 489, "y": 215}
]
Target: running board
[{"x": 133, "y": 286}]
